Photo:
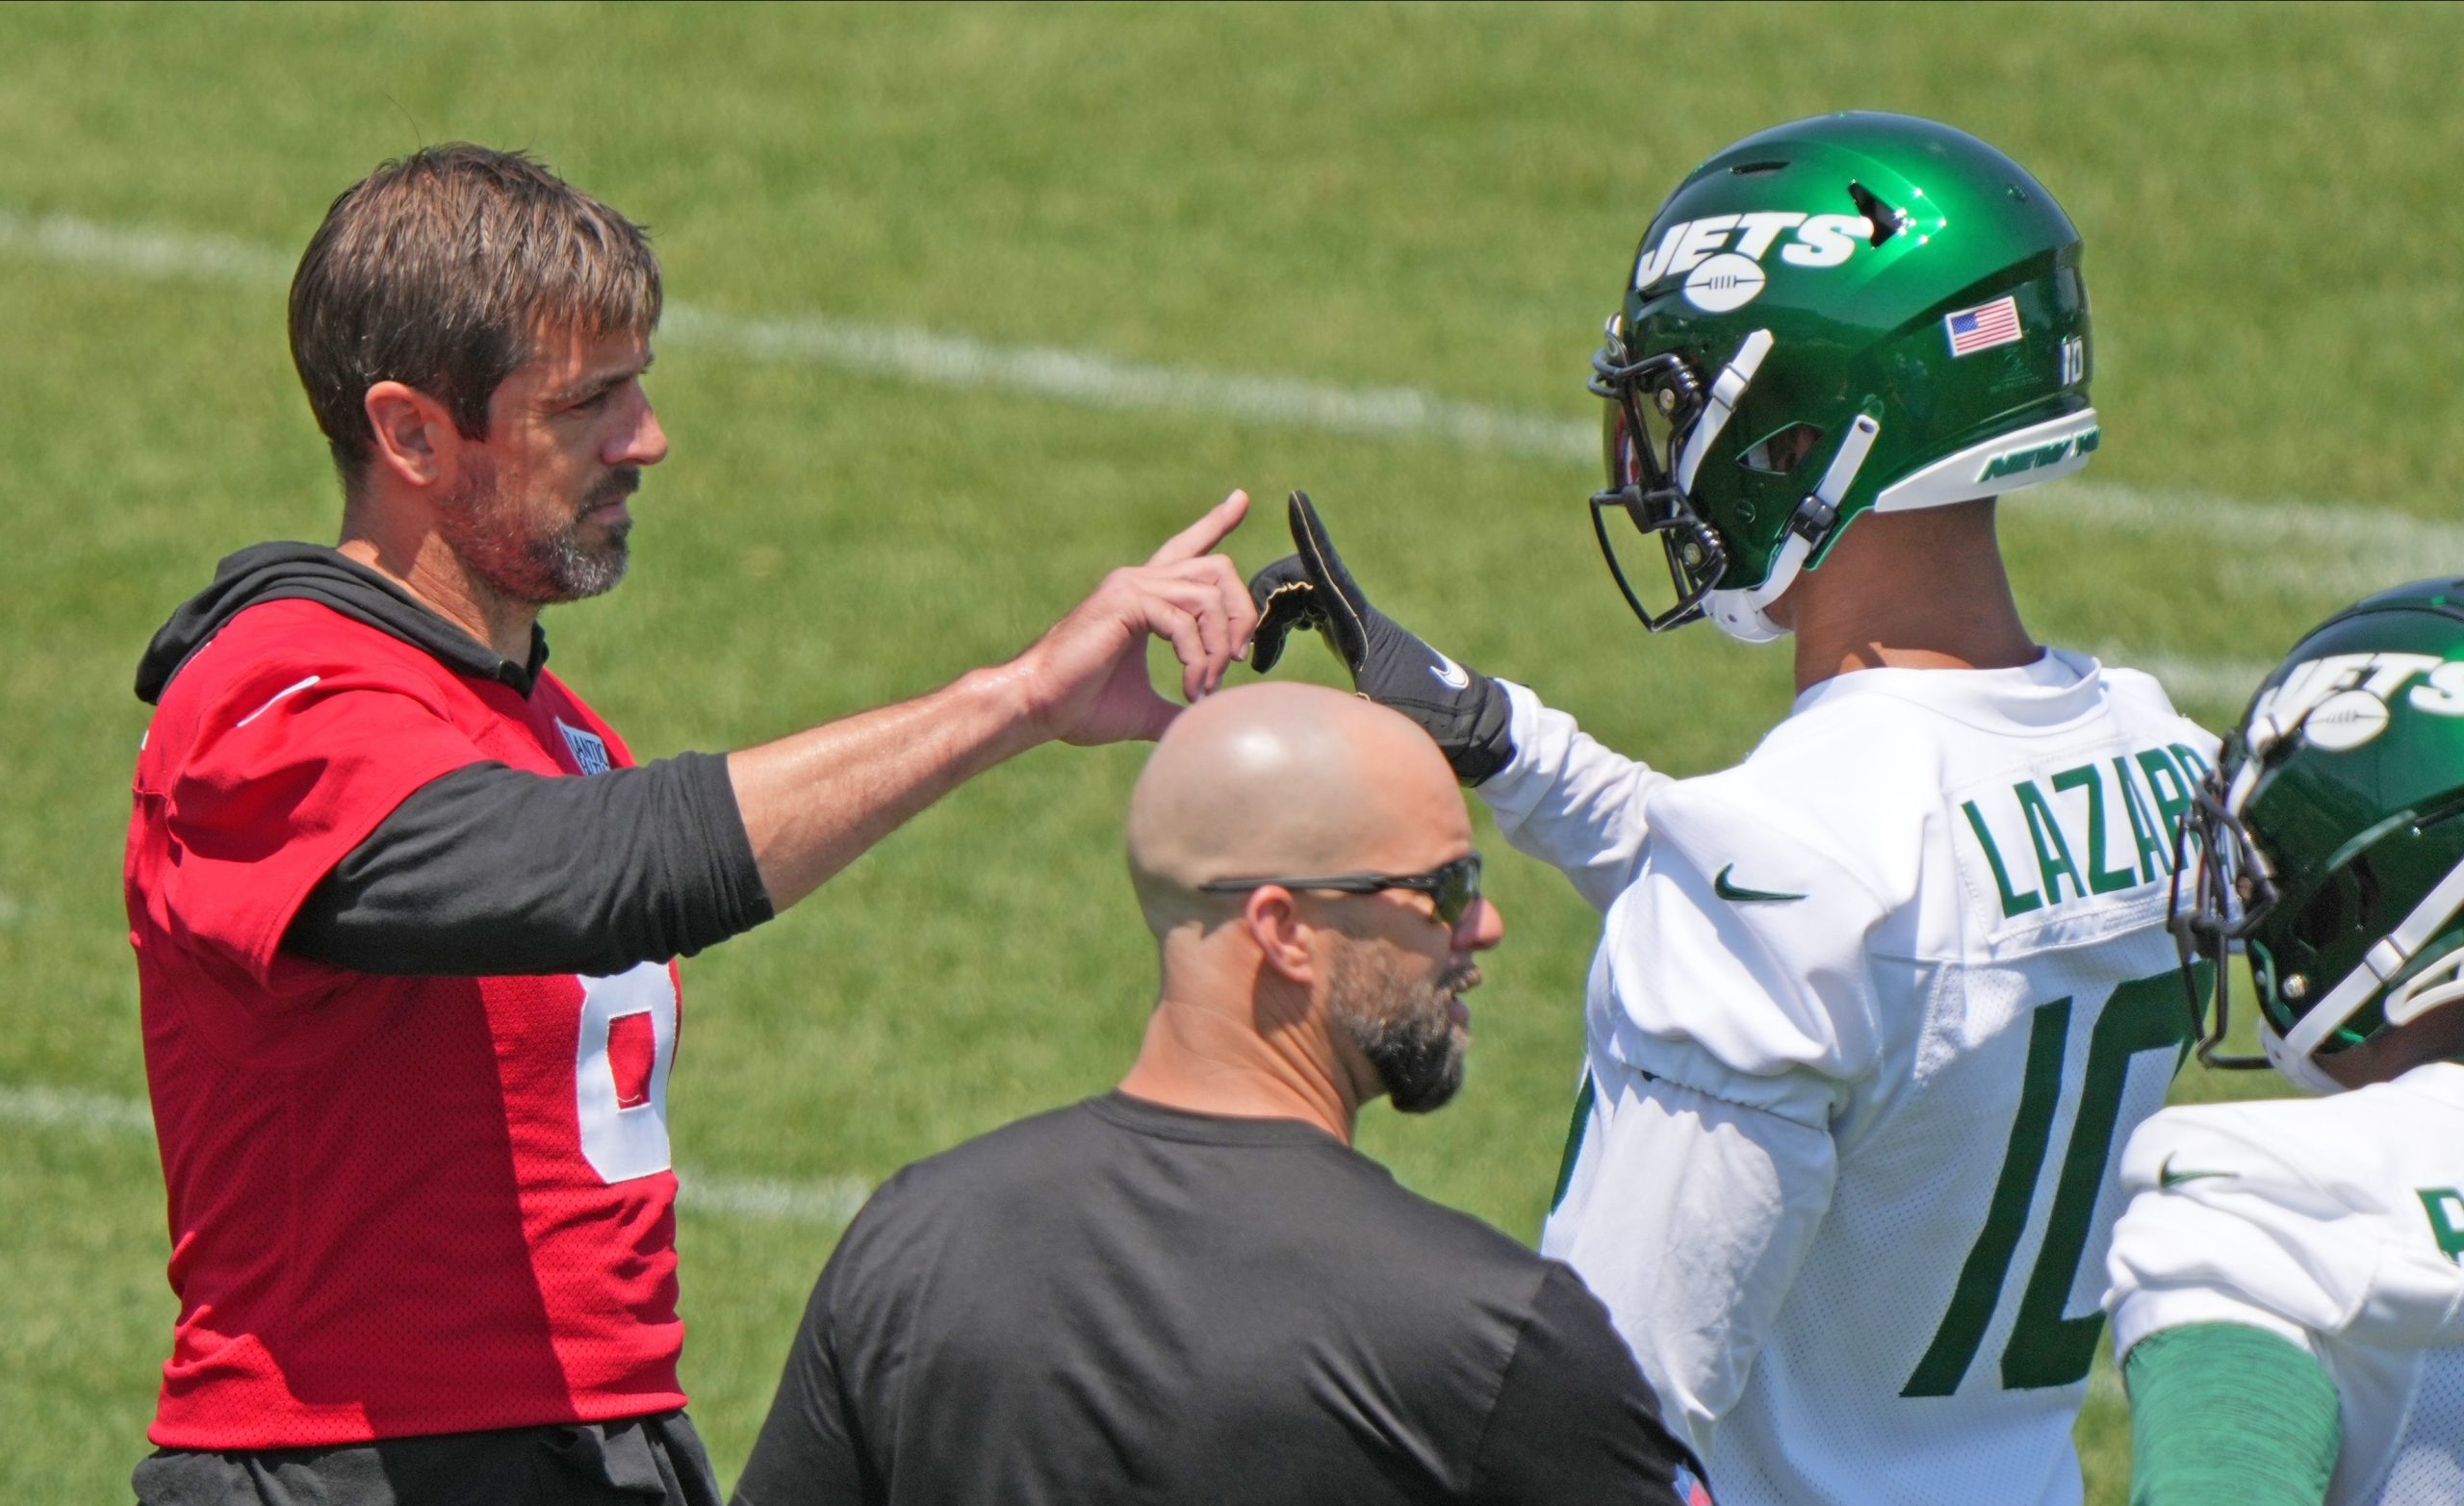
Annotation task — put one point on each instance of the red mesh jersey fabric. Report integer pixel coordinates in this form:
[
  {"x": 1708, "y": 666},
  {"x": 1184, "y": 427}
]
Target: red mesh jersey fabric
[{"x": 398, "y": 1206}]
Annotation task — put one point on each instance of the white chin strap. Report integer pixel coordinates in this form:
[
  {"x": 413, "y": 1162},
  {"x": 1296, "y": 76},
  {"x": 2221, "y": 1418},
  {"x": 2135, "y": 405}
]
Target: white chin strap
[
  {"x": 1741, "y": 614},
  {"x": 2294, "y": 1053},
  {"x": 1733, "y": 379}
]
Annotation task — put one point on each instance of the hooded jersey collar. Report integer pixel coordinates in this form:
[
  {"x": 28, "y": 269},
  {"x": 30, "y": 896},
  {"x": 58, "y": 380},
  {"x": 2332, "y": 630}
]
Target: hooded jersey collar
[{"x": 286, "y": 572}]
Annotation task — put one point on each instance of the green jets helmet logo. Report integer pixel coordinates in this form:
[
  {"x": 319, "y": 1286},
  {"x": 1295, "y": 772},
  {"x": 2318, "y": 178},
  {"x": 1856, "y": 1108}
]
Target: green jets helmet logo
[
  {"x": 2341, "y": 701},
  {"x": 1721, "y": 257}
]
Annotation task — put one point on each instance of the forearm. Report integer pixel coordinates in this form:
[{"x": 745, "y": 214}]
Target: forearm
[{"x": 813, "y": 802}]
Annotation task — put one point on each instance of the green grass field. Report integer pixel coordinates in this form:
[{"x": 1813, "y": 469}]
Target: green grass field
[{"x": 1354, "y": 198}]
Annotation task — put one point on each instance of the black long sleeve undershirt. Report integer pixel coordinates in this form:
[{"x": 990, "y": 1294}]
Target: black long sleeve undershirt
[{"x": 490, "y": 871}]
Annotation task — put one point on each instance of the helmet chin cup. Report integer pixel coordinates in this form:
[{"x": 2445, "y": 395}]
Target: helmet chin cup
[
  {"x": 1742, "y": 622},
  {"x": 1741, "y": 614}
]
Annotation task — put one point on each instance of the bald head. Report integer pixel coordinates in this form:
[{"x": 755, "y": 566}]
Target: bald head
[{"x": 1286, "y": 778}]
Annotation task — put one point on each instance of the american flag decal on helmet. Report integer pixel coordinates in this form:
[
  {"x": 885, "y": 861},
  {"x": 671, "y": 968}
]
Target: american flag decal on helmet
[{"x": 1983, "y": 327}]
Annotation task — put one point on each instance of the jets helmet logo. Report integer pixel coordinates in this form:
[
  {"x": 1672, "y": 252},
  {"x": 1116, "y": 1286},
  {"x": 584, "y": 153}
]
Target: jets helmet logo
[
  {"x": 1721, "y": 257},
  {"x": 2341, "y": 701}
]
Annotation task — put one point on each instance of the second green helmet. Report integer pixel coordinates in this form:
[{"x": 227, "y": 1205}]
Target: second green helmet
[
  {"x": 2328, "y": 844},
  {"x": 1850, "y": 313}
]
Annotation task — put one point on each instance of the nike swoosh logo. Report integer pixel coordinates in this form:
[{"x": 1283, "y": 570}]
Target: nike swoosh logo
[
  {"x": 1731, "y": 892},
  {"x": 2168, "y": 1179},
  {"x": 1448, "y": 673}
]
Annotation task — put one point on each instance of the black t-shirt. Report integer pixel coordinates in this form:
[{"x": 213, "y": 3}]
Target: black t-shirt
[{"x": 1122, "y": 1302}]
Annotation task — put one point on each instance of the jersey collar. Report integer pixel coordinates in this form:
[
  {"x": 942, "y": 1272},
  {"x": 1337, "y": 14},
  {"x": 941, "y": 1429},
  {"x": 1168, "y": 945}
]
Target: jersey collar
[{"x": 2055, "y": 690}]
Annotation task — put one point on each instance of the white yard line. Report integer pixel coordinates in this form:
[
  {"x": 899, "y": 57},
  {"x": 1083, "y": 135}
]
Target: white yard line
[
  {"x": 828, "y": 1203},
  {"x": 60, "y": 1108},
  {"x": 940, "y": 359},
  {"x": 2314, "y": 549}
]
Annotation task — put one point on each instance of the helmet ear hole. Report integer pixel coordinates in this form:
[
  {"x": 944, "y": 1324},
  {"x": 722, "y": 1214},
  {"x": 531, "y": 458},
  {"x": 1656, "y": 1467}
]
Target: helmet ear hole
[
  {"x": 2345, "y": 906},
  {"x": 1781, "y": 451},
  {"x": 2324, "y": 919}
]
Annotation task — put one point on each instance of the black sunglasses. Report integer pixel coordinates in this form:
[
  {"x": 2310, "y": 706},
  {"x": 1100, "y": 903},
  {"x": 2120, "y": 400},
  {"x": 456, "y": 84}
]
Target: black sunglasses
[{"x": 1452, "y": 887}]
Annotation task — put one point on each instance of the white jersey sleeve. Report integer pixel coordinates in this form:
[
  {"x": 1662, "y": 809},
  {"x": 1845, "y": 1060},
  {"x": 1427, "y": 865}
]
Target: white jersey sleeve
[
  {"x": 1568, "y": 802},
  {"x": 2220, "y": 1230},
  {"x": 1732, "y": 1016},
  {"x": 2335, "y": 1224},
  {"x": 1689, "y": 1217},
  {"x": 1736, "y": 962}
]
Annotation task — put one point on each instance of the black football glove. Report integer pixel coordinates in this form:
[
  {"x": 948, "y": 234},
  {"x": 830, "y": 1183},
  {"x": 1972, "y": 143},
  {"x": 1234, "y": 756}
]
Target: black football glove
[{"x": 1467, "y": 713}]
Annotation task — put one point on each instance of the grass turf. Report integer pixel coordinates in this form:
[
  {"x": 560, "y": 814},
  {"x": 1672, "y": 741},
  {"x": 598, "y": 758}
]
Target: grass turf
[{"x": 1364, "y": 197}]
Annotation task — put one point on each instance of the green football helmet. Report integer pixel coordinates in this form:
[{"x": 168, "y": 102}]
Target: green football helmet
[
  {"x": 2328, "y": 843},
  {"x": 1856, "y": 311}
]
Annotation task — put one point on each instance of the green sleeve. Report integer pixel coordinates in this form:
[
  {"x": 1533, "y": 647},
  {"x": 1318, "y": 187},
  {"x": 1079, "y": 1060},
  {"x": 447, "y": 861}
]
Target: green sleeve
[{"x": 2223, "y": 1415}]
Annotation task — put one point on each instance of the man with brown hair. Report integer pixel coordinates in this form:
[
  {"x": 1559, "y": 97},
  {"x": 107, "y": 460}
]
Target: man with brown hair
[{"x": 406, "y": 975}]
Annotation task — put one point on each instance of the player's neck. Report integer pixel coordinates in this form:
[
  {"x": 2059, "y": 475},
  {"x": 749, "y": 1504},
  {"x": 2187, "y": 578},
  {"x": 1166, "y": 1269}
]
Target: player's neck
[
  {"x": 427, "y": 567},
  {"x": 1909, "y": 590},
  {"x": 1210, "y": 1056}
]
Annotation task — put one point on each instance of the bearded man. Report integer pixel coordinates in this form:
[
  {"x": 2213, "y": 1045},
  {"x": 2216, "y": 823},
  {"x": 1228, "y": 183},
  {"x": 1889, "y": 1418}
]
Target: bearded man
[
  {"x": 1192, "y": 1288},
  {"x": 405, "y": 914}
]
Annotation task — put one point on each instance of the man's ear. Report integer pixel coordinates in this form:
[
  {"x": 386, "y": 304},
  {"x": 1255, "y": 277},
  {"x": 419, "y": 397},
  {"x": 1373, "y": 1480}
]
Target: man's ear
[
  {"x": 1282, "y": 941},
  {"x": 415, "y": 437}
]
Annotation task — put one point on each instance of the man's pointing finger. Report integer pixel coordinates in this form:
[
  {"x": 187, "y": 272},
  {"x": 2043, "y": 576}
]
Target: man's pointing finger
[{"x": 1203, "y": 536}]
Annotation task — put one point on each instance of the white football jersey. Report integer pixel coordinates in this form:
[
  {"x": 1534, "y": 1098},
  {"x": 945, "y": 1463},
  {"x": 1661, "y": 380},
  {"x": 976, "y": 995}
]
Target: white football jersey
[
  {"x": 2336, "y": 1223},
  {"x": 1872, "y": 1014}
]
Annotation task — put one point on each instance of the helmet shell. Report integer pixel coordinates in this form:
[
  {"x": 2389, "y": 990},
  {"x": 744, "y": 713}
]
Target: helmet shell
[
  {"x": 2357, "y": 804},
  {"x": 1778, "y": 233}
]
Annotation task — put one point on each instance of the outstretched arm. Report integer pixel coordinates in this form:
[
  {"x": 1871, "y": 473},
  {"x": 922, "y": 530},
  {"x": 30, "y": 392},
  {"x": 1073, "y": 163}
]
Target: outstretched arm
[
  {"x": 489, "y": 869},
  {"x": 1570, "y": 802}
]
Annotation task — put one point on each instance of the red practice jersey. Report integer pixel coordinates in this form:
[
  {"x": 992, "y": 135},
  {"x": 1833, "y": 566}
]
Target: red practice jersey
[{"x": 399, "y": 1206}]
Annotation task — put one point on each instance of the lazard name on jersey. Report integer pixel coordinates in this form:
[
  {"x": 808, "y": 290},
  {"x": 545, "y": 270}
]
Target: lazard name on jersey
[{"x": 2105, "y": 826}]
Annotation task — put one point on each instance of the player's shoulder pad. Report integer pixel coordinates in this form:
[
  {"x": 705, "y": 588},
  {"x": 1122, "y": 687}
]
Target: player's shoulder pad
[
  {"x": 1738, "y": 960},
  {"x": 1859, "y": 780},
  {"x": 2142, "y": 692},
  {"x": 2210, "y": 1151},
  {"x": 1745, "y": 834}
]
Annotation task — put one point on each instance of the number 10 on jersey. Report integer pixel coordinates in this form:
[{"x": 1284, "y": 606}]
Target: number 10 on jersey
[{"x": 2047, "y": 1348}]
